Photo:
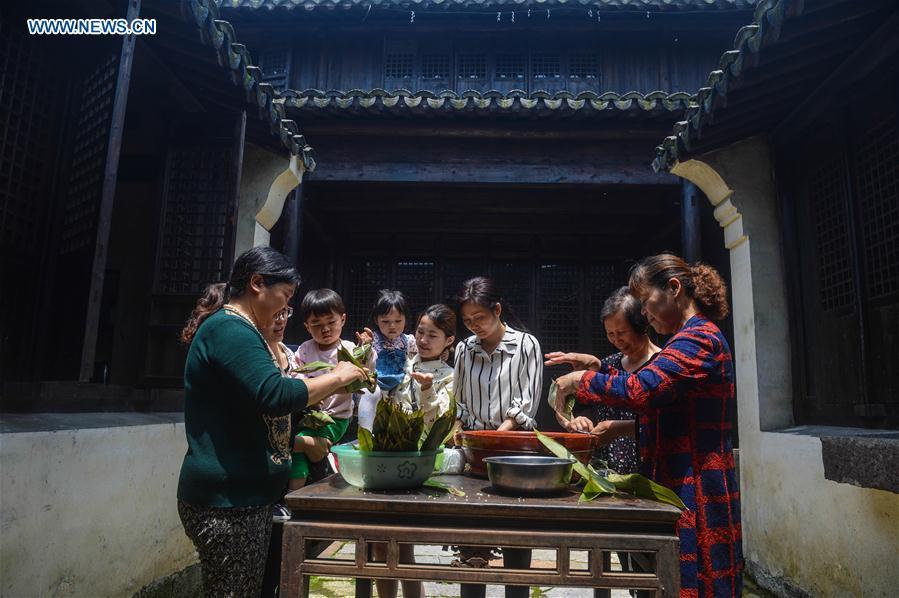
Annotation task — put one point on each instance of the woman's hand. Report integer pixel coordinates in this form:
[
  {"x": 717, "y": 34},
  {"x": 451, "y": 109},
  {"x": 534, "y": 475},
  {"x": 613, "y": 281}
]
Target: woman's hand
[
  {"x": 579, "y": 361},
  {"x": 567, "y": 385},
  {"x": 314, "y": 447},
  {"x": 579, "y": 424},
  {"x": 426, "y": 380},
  {"x": 612, "y": 429},
  {"x": 508, "y": 425},
  {"x": 347, "y": 373},
  {"x": 365, "y": 337}
]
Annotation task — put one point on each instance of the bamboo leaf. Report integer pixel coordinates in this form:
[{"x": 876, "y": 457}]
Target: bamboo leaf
[
  {"x": 314, "y": 366},
  {"x": 343, "y": 354},
  {"x": 587, "y": 474},
  {"x": 442, "y": 426},
  {"x": 591, "y": 491},
  {"x": 564, "y": 408},
  {"x": 366, "y": 440},
  {"x": 315, "y": 420},
  {"x": 432, "y": 483},
  {"x": 643, "y": 487}
]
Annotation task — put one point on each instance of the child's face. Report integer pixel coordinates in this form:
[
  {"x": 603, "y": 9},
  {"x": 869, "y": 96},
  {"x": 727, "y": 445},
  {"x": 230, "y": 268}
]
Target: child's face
[
  {"x": 326, "y": 330},
  {"x": 431, "y": 340},
  {"x": 392, "y": 323}
]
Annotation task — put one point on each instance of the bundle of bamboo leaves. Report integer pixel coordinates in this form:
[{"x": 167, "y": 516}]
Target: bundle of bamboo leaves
[
  {"x": 396, "y": 430},
  {"x": 359, "y": 356},
  {"x": 596, "y": 485}
]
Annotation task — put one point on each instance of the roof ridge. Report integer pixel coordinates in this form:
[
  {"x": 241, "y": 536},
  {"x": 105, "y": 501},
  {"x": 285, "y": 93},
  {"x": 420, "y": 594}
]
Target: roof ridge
[{"x": 220, "y": 35}]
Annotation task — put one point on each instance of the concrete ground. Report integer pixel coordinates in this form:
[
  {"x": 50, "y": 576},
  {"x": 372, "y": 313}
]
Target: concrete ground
[{"x": 323, "y": 587}]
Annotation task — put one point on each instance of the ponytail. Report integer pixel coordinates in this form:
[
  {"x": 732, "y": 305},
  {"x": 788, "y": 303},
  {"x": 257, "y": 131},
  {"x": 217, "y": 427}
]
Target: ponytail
[
  {"x": 700, "y": 281},
  {"x": 211, "y": 301},
  {"x": 709, "y": 291}
]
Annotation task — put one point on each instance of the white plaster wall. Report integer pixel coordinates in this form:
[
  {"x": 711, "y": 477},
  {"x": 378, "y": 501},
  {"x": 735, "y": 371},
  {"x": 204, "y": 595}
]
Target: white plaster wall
[
  {"x": 830, "y": 539},
  {"x": 90, "y": 512},
  {"x": 827, "y": 538},
  {"x": 260, "y": 168}
]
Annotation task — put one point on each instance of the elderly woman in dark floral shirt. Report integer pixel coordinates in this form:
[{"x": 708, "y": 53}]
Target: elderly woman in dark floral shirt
[{"x": 627, "y": 330}]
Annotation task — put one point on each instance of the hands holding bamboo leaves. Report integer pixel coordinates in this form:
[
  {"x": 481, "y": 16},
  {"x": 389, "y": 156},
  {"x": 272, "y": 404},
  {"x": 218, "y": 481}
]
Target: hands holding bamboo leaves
[{"x": 350, "y": 368}]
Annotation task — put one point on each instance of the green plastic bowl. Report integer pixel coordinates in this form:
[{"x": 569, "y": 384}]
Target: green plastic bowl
[{"x": 380, "y": 470}]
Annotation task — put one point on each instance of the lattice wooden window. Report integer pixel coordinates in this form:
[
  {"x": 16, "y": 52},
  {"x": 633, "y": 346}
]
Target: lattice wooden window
[
  {"x": 877, "y": 189},
  {"x": 472, "y": 66},
  {"x": 510, "y": 67},
  {"x": 198, "y": 204},
  {"x": 515, "y": 282},
  {"x": 583, "y": 67},
  {"x": 546, "y": 66},
  {"x": 25, "y": 145},
  {"x": 435, "y": 66},
  {"x": 399, "y": 66},
  {"x": 364, "y": 278},
  {"x": 416, "y": 279},
  {"x": 85, "y": 184},
  {"x": 558, "y": 305},
  {"x": 827, "y": 195},
  {"x": 602, "y": 280},
  {"x": 275, "y": 65}
]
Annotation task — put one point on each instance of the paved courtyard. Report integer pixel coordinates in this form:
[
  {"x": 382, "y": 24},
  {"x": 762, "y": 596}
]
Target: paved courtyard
[{"x": 323, "y": 587}]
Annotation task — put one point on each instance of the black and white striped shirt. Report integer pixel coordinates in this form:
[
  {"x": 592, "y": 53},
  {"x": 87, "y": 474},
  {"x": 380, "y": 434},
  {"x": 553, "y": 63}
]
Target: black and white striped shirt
[{"x": 505, "y": 384}]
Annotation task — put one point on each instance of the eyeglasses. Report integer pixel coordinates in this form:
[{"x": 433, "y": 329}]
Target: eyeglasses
[{"x": 284, "y": 314}]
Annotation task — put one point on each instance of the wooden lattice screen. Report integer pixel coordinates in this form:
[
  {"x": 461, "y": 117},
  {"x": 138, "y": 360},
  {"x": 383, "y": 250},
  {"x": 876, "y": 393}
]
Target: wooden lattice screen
[
  {"x": 85, "y": 181},
  {"x": 877, "y": 178},
  {"x": 828, "y": 190},
  {"x": 196, "y": 221},
  {"x": 28, "y": 138},
  {"x": 847, "y": 217}
]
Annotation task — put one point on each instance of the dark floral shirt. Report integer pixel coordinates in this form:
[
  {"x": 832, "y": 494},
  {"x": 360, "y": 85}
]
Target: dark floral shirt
[{"x": 621, "y": 454}]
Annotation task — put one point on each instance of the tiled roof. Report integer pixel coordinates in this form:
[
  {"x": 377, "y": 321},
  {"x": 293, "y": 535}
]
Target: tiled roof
[
  {"x": 232, "y": 55},
  {"x": 641, "y": 5},
  {"x": 517, "y": 103},
  {"x": 764, "y": 30}
]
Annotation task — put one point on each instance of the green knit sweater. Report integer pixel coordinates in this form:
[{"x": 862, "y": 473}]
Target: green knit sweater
[{"x": 237, "y": 417}]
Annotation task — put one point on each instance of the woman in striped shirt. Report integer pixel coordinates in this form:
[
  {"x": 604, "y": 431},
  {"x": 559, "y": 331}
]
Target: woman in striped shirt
[
  {"x": 498, "y": 379},
  {"x": 499, "y": 370}
]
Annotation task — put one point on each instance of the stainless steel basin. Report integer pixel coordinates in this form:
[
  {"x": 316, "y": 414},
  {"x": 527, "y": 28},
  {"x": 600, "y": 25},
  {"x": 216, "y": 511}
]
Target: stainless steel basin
[{"x": 529, "y": 474}]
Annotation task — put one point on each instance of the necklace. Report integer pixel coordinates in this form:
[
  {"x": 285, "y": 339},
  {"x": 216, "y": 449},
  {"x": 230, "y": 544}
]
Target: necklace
[{"x": 233, "y": 309}]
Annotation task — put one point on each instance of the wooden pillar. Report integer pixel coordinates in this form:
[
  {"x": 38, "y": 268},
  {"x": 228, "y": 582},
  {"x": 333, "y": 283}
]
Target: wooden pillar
[
  {"x": 293, "y": 226},
  {"x": 691, "y": 234},
  {"x": 104, "y": 216}
]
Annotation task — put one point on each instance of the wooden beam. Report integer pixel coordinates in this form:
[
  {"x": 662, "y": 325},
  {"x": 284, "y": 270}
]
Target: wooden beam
[
  {"x": 606, "y": 130},
  {"x": 876, "y": 49},
  {"x": 511, "y": 173},
  {"x": 104, "y": 217},
  {"x": 240, "y": 134}
]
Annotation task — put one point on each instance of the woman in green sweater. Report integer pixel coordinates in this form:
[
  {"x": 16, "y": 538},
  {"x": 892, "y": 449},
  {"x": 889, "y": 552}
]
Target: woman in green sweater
[{"x": 237, "y": 410}]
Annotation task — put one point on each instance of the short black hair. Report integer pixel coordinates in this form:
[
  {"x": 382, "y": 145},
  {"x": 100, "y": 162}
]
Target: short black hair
[
  {"x": 321, "y": 302},
  {"x": 387, "y": 300},
  {"x": 623, "y": 301}
]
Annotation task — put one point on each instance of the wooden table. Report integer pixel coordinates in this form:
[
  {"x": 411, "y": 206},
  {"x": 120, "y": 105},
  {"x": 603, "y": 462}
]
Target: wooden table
[{"x": 334, "y": 511}]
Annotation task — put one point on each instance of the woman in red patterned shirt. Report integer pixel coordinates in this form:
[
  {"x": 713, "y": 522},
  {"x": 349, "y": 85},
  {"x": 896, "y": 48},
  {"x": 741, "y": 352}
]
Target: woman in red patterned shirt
[{"x": 685, "y": 400}]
